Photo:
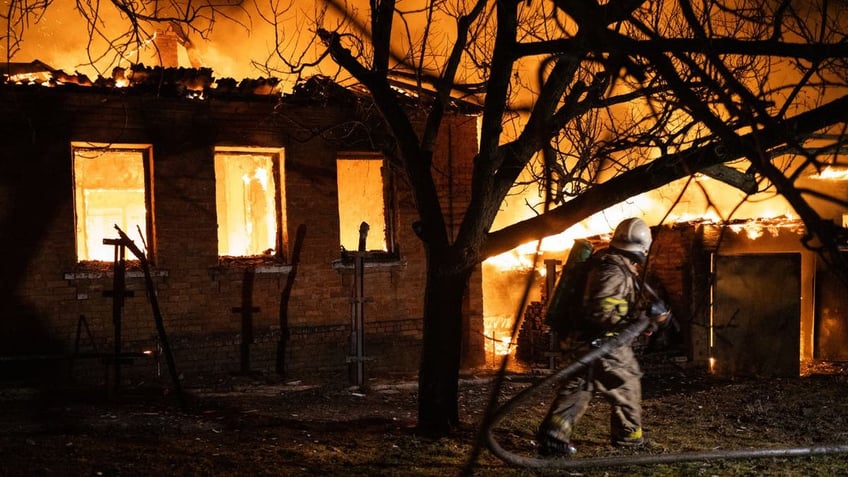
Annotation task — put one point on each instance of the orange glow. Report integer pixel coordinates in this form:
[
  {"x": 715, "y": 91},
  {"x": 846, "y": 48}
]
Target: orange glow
[
  {"x": 245, "y": 189},
  {"x": 756, "y": 228},
  {"x": 108, "y": 191},
  {"x": 521, "y": 257},
  {"x": 505, "y": 276},
  {"x": 832, "y": 173},
  {"x": 511, "y": 260},
  {"x": 498, "y": 339},
  {"x": 361, "y": 199},
  {"x": 30, "y": 78}
]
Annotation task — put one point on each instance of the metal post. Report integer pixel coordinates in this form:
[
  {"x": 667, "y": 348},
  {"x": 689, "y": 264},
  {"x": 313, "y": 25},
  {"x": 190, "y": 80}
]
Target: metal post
[
  {"x": 550, "y": 285},
  {"x": 246, "y": 310},
  {"x": 358, "y": 309},
  {"x": 118, "y": 294}
]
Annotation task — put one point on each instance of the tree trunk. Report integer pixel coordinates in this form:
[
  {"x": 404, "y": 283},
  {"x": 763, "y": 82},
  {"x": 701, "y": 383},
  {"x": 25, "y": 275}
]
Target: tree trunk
[{"x": 438, "y": 376}]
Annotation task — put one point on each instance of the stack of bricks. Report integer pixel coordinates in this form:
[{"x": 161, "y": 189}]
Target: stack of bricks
[{"x": 533, "y": 338}]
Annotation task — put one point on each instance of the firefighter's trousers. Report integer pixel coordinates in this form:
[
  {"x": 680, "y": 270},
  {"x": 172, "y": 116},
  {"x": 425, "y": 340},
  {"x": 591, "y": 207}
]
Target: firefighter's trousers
[{"x": 617, "y": 377}]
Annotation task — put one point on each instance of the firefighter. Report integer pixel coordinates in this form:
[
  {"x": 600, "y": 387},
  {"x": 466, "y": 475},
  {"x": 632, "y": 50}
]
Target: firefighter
[{"x": 610, "y": 303}]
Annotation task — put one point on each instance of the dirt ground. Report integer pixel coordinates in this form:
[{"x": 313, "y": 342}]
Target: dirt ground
[{"x": 255, "y": 426}]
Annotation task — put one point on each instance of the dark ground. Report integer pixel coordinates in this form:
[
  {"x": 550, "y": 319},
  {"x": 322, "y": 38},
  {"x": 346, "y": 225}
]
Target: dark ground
[{"x": 257, "y": 426}]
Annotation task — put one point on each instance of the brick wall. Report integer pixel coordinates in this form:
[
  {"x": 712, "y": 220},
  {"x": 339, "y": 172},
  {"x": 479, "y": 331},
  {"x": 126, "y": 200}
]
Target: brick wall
[
  {"x": 46, "y": 291},
  {"x": 681, "y": 265},
  {"x": 679, "y": 269}
]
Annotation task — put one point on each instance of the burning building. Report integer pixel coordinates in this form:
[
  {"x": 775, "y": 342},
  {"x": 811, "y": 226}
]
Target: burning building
[
  {"x": 743, "y": 293},
  {"x": 749, "y": 299},
  {"x": 248, "y": 205}
]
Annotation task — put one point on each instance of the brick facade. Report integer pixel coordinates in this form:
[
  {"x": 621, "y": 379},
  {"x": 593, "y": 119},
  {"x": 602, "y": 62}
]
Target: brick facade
[
  {"x": 680, "y": 271},
  {"x": 46, "y": 292}
]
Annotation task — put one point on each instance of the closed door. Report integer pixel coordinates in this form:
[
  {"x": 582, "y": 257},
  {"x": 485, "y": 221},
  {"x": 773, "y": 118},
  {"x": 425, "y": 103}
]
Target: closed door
[{"x": 756, "y": 323}]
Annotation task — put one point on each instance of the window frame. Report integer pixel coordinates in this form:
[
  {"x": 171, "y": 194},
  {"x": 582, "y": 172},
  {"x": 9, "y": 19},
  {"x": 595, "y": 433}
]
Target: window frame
[
  {"x": 146, "y": 151},
  {"x": 277, "y": 155},
  {"x": 390, "y": 208}
]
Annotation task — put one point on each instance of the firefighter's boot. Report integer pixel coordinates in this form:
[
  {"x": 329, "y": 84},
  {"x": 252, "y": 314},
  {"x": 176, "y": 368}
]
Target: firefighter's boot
[
  {"x": 630, "y": 439},
  {"x": 551, "y": 447},
  {"x": 554, "y": 438}
]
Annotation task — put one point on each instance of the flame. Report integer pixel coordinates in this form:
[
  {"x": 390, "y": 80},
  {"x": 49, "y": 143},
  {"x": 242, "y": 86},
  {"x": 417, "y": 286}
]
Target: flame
[
  {"x": 521, "y": 257},
  {"x": 832, "y": 173},
  {"x": 753, "y": 231},
  {"x": 193, "y": 84},
  {"x": 498, "y": 286},
  {"x": 709, "y": 217},
  {"x": 245, "y": 198},
  {"x": 108, "y": 191},
  {"x": 498, "y": 333},
  {"x": 360, "y": 192},
  {"x": 511, "y": 260},
  {"x": 502, "y": 346},
  {"x": 757, "y": 228},
  {"x": 30, "y": 79}
]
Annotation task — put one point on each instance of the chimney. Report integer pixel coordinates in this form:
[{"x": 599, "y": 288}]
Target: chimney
[{"x": 166, "y": 43}]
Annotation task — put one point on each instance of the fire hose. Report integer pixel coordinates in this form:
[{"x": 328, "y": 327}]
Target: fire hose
[{"x": 624, "y": 338}]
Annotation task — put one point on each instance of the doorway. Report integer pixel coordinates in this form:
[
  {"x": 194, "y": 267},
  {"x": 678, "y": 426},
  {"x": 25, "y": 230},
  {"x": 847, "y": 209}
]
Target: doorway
[{"x": 756, "y": 315}]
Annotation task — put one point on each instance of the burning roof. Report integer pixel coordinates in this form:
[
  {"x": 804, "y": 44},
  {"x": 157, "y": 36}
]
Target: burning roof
[
  {"x": 200, "y": 83},
  {"x": 33, "y": 72},
  {"x": 180, "y": 81}
]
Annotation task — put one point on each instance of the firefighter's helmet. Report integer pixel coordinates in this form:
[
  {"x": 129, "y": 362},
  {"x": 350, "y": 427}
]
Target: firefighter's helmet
[{"x": 632, "y": 235}]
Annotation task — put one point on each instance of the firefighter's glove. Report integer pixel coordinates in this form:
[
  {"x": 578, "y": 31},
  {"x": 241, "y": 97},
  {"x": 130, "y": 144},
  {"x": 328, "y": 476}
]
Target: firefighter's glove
[
  {"x": 659, "y": 314},
  {"x": 657, "y": 308}
]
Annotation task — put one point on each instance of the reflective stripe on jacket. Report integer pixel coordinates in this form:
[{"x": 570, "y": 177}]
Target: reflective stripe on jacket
[{"x": 611, "y": 290}]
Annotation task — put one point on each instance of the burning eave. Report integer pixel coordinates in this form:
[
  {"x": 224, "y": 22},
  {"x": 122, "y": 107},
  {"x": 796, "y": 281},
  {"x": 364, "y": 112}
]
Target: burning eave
[
  {"x": 195, "y": 83},
  {"x": 750, "y": 229},
  {"x": 34, "y": 72},
  {"x": 521, "y": 258},
  {"x": 199, "y": 83}
]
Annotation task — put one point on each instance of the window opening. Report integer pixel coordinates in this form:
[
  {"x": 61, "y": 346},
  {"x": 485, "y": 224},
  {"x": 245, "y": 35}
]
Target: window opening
[
  {"x": 111, "y": 187},
  {"x": 249, "y": 201},
  {"x": 362, "y": 189}
]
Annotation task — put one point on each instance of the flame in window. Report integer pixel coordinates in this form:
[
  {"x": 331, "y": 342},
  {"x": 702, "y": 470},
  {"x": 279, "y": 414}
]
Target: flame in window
[
  {"x": 361, "y": 199},
  {"x": 108, "y": 190},
  {"x": 246, "y": 202}
]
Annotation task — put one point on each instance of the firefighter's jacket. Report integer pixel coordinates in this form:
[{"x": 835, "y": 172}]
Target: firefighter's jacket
[{"x": 610, "y": 291}]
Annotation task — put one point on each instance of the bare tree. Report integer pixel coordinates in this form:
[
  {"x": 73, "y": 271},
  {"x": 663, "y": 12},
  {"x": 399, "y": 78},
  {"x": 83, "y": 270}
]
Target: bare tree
[
  {"x": 601, "y": 99},
  {"x": 614, "y": 99}
]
